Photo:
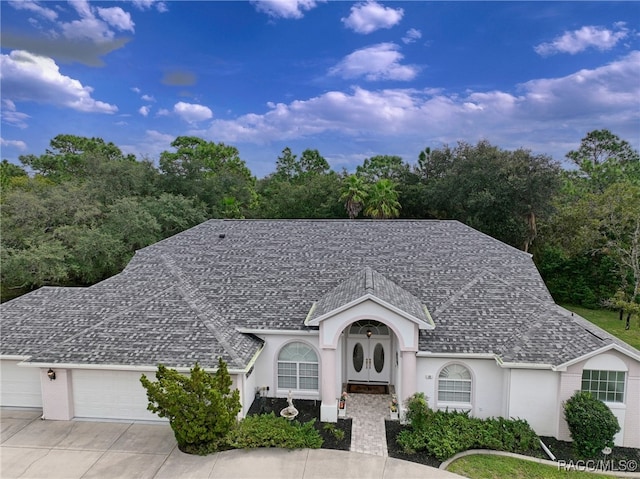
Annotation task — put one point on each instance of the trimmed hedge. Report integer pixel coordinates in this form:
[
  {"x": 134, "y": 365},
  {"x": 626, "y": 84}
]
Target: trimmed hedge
[
  {"x": 267, "y": 430},
  {"x": 442, "y": 434}
]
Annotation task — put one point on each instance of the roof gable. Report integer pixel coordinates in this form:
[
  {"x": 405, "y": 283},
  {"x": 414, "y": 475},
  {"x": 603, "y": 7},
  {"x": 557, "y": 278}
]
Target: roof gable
[{"x": 369, "y": 285}]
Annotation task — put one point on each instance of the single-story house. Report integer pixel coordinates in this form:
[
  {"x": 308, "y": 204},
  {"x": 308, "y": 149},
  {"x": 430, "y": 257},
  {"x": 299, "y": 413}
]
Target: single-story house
[{"x": 309, "y": 306}]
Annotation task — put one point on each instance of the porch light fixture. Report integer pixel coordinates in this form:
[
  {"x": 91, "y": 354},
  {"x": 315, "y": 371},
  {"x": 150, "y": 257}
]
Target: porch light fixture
[
  {"x": 52, "y": 374},
  {"x": 369, "y": 333}
]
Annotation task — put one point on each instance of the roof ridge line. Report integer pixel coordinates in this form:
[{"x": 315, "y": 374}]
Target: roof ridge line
[
  {"x": 187, "y": 290},
  {"x": 460, "y": 292},
  {"x": 368, "y": 280},
  {"x": 115, "y": 315}
]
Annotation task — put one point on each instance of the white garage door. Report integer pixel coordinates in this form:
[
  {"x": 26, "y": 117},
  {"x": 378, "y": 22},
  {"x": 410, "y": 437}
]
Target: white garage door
[
  {"x": 103, "y": 394},
  {"x": 19, "y": 387}
]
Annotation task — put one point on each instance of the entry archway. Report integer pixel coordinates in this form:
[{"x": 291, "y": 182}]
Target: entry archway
[{"x": 368, "y": 353}]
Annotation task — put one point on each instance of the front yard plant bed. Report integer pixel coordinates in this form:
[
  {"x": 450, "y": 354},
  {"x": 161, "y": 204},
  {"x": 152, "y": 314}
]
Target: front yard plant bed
[
  {"x": 563, "y": 450},
  {"x": 308, "y": 410},
  {"x": 395, "y": 450}
]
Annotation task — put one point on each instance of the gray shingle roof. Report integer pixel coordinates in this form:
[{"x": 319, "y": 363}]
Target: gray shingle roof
[
  {"x": 181, "y": 300},
  {"x": 370, "y": 282}
]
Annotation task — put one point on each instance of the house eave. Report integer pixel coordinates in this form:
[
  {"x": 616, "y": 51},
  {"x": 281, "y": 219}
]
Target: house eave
[
  {"x": 603, "y": 349},
  {"x": 429, "y": 354},
  {"x": 512, "y": 365},
  {"x": 14, "y": 357},
  {"x": 370, "y": 297},
  {"x": 116, "y": 367},
  {"x": 287, "y": 332}
]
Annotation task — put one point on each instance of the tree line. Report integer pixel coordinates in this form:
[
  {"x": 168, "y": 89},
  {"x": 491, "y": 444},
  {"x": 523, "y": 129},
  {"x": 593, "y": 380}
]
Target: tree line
[{"x": 75, "y": 214}]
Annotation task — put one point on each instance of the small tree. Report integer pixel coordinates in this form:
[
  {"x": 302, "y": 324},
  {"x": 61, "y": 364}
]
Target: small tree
[
  {"x": 591, "y": 423},
  {"x": 201, "y": 407}
]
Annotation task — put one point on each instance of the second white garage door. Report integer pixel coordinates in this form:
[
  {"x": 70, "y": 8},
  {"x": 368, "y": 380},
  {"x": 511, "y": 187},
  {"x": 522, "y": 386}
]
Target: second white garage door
[{"x": 104, "y": 394}]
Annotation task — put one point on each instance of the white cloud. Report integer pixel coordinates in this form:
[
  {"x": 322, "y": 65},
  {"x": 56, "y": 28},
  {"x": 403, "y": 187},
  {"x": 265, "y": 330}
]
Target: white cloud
[
  {"x": 605, "y": 91},
  {"x": 147, "y": 4},
  {"x": 19, "y": 144},
  {"x": 412, "y": 36},
  {"x": 135, "y": 89},
  {"x": 377, "y": 62},
  {"x": 543, "y": 114},
  {"x": 89, "y": 26},
  {"x": 285, "y": 8},
  {"x": 150, "y": 146},
  {"x": 34, "y": 7},
  {"x": 148, "y": 98},
  {"x": 117, "y": 17},
  {"x": 370, "y": 16},
  {"x": 144, "y": 110},
  {"x": 11, "y": 116},
  {"x": 29, "y": 77},
  {"x": 163, "y": 112},
  {"x": 579, "y": 40},
  {"x": 192, "y": 112}
]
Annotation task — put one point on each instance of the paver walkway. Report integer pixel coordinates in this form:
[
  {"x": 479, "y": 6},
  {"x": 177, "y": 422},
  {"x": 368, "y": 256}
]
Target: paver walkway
[{"x": 368, "y": 412}]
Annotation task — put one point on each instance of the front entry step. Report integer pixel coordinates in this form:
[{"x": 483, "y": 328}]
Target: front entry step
[{"x": 367, "y": 388}]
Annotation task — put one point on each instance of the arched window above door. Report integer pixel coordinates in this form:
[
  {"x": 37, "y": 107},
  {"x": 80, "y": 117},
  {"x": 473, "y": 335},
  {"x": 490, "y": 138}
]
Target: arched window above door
[{"x": 376, "y": 327}]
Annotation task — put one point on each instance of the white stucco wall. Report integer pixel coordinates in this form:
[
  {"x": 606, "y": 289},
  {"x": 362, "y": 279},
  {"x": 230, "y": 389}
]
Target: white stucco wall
[
  {"x": 532, "y": 396},
  {"x": 266, "y": 365},
  {"x": 486, "y": 389},
  {"x": 248, "y": 387},
  {"x": 628, "y": 413}
]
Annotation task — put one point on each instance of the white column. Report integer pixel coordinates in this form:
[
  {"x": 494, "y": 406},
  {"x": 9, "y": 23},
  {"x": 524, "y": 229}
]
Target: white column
[
  {"x": 57, "y": 395},
  {"x": 329, "y": 406},
  {"x": 408, "y": 374}
]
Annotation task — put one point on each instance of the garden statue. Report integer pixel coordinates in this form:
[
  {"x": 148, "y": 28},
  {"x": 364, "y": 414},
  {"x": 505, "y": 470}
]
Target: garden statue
[{"x": 290, "y": 412}]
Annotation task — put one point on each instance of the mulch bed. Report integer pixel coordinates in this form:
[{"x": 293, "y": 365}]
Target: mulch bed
[
  {"x": 307, "y": 410},
  {"x": 563, "y": 450},
  {"x": 394, "y": 450}
]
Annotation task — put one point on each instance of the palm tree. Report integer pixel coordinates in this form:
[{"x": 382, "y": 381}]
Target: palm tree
[
  {"x": 383, "y": 200},
  {"x": 354, "y": 194}
]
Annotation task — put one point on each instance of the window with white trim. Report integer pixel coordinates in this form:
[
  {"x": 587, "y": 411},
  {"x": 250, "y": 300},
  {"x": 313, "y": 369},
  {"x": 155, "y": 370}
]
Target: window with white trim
[
  {"x": 454, "y": 384},
  {"x": 298, "y": 367},
  {"x": 607, "y": 386}
]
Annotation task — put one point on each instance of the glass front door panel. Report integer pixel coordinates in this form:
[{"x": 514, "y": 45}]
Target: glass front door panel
[
  {"x": 358, "y": 357},
  {"x": 378, "y": 357}
]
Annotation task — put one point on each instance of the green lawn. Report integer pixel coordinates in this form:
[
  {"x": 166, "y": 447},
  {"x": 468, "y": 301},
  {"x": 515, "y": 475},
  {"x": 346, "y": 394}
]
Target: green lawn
[
  {"x": 609, "y": 321},
  {"x": 501, "y": 467}
]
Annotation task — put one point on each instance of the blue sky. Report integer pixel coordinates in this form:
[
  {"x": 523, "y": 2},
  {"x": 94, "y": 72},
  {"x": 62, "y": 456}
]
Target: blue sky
[{"x": 351, "y": 79}]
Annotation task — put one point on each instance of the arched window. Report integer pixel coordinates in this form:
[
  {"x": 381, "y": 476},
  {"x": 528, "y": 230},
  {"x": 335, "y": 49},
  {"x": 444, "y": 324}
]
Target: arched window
[
  {"x": 454, "y": 384},
  {"x": 298, "y": 367}
]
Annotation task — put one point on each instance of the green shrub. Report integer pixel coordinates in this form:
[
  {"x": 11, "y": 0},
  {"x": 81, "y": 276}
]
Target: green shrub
[
  {"x": 332, "y": 429},
  {"x": 444, "y": 434},
  {"x": 201, "y": 407},
  {"x": 417, "y": 410},
  {"x": 267, "y": 430},
  {"x": 591, "y": 423}
]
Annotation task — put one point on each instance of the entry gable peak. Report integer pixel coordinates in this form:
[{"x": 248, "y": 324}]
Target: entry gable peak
[{"x": 369, "y": 285}]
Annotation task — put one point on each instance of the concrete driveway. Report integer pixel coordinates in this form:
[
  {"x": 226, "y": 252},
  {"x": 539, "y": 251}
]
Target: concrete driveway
[{"x": 34, "y": 449}]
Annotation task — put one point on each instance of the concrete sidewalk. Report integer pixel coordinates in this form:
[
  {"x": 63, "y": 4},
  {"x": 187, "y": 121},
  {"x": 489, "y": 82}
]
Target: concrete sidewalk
[{"x": 34, "y": 449}]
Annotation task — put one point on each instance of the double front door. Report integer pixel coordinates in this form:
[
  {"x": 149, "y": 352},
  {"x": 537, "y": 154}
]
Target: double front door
[{"x": 368, "y": 359}]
